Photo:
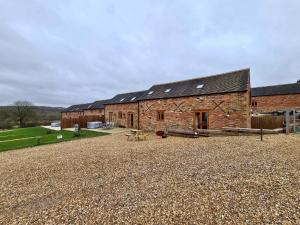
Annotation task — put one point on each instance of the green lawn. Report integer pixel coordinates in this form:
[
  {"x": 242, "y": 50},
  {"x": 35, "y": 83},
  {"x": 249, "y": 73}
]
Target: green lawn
[{"x": 29, "y": 137}]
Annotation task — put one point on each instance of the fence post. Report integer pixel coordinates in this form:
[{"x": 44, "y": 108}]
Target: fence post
[{"x": 261, "y": 134}]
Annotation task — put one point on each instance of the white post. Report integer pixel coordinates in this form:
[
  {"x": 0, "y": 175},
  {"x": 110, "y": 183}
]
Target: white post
[
  {"x": 287, "y": 122},
  {"x": 294, "y": 111}
]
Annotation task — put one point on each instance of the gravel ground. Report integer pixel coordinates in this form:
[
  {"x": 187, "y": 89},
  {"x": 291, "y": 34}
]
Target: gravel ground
[{"x": 108, "y": 180}]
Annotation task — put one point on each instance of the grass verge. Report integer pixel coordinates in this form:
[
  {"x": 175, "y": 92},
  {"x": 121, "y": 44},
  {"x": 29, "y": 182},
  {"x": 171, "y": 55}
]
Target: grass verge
[{"x": 34, "y": 136}]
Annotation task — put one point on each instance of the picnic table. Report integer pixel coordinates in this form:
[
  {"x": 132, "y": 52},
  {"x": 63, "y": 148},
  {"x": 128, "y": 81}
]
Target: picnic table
[{"x": 137, "y": 135}]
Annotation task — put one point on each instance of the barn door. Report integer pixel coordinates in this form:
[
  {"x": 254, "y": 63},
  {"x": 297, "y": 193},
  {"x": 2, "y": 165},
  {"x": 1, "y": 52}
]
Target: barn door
[
  {"x": 201, "y": 120},
  {"x": 130, "y": 120}
]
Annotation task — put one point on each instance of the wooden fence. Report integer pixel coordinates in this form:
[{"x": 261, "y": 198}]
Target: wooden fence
[
  {"x": 81, "y": 120},
  {"x": 267, "y": 122}
]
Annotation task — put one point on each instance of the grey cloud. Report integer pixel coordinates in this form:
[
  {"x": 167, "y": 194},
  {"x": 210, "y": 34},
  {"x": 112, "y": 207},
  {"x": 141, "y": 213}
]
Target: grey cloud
[{"x": 66, "y": 52}]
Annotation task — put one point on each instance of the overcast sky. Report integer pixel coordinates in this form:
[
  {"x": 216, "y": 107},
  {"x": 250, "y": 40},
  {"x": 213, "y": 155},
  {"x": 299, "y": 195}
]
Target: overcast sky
[{"x": 55, "y": 52}]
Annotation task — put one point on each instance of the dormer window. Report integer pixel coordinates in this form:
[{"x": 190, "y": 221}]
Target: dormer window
[
  {"x": 150, "y": 92},
  {"x": 122, "y": 99},
  {"x": 199, "y": 86},
  {"x": 167, "y": 90},
  {"x": 133, "y": 98}
]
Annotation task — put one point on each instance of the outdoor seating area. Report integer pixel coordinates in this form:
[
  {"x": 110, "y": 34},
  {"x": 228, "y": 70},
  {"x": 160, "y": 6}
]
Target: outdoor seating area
[
  {"x": 99, "y": 124},
  {"x": 137, "y": 135}
]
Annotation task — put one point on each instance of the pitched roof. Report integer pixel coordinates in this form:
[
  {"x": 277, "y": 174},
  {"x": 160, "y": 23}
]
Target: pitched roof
[
  {"x": 235, "y": 81},
  {"x": 283, "y": 89},
  {"x": 126, "y": 98},
  {"x": 80, "y": 107},
  {"x": 77, "y": 108},
  {"x": 99, "y": 104}
]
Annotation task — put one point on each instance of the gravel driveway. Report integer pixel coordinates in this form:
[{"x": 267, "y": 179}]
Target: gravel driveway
[{"x": 108, "y": 180}]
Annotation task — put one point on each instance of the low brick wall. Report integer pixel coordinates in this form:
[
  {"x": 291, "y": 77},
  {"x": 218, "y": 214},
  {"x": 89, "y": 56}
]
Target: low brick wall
[{"x": 275, "y": 103}]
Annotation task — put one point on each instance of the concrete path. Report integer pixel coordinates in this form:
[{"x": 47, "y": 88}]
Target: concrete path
[
  {"x": 52, "y": 128},
  {"x": 103, "y": 130},
  {"x": 110, "y": 131}
]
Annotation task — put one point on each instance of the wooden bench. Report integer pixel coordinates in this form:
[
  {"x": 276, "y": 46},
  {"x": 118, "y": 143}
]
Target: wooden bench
[
  {"x": 137, "y": 136},
  {"x": 142, "y": 136}
]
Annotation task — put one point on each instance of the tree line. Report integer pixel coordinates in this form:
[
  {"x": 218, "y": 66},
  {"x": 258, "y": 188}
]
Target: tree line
[{"x": 20, "y": 114}]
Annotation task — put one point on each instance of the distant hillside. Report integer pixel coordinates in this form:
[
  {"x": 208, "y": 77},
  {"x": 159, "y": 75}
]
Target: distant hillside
[
  {"x": 46, "y": 113},
  {"x": 42, "y": 115}
]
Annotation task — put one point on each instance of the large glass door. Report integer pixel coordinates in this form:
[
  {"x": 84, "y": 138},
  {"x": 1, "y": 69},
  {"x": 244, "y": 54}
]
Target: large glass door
[{"x": 201, "y": 120}]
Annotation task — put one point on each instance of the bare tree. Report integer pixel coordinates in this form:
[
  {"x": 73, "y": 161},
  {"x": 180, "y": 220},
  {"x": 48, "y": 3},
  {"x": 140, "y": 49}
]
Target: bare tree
[{"x": 22, "y": 111}]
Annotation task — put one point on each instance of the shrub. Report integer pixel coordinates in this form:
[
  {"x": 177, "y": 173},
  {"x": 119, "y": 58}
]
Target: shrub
[{"x": 76, "y": 134}]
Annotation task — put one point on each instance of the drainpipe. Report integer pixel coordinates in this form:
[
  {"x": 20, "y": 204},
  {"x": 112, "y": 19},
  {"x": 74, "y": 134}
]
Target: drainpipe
[{"x": 104, "y": 115}]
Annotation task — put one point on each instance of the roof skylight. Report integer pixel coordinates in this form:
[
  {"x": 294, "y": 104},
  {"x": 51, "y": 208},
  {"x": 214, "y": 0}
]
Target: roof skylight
[
  {"x": 150, "y": 92},
  {"x": 199, "y": 86},
  {"x": 167, "y": 90},
  {"x": 133, "y": 98},
  {"x": 122, "y": 99}
]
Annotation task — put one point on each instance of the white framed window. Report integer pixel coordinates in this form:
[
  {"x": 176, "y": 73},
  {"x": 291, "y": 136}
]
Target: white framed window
[{"x": 199, "y": 86}]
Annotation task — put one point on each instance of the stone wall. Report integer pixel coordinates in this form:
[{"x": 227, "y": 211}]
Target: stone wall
[
  {"x": 232, "y": 110},
  {"x": 275, "y": 102},
  {"x": 123, "y": 109}
]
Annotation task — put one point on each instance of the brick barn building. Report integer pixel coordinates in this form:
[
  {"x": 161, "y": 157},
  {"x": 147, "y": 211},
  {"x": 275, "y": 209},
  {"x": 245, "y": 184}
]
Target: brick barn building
[
  {"x": 74, "y": 111},
  {"x": 201, "y": 103},
  {"x": 97, "y": 108},
  {"x": 83, "y": 113},
  {"x": 207, "y": 102},
  {"x": 123, "y": 109},
  {"x": 275, "y": 98}
]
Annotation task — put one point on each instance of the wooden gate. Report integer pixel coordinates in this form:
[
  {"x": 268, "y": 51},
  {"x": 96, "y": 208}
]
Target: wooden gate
[{"x": 267, "y": 122}]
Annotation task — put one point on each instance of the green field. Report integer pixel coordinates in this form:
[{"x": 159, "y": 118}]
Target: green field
[{"x": 29, "y": 137}]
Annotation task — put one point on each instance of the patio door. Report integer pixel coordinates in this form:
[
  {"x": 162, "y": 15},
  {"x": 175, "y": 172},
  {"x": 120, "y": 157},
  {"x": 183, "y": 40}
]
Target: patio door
[
  {"x": 130, "y": 120},
  {"x": 201, "y": 120}
]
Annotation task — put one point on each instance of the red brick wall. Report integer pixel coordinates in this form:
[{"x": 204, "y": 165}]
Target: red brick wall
[
  {"x": 94, "y": 112},
  {"x": 125, "y": 109},
  {"x": 71, "y": 114},
  {"x": 235, "y": 106},
  {"x": 275, "y": 102}
]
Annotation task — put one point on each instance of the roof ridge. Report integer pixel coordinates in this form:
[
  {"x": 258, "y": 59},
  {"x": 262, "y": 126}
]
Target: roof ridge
[
  {"x": 196, "y": 78},
  {"x": 129, "y": 93},
  {"x": 102, "y": 100},
  {"x": 275, "y": 85}
]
